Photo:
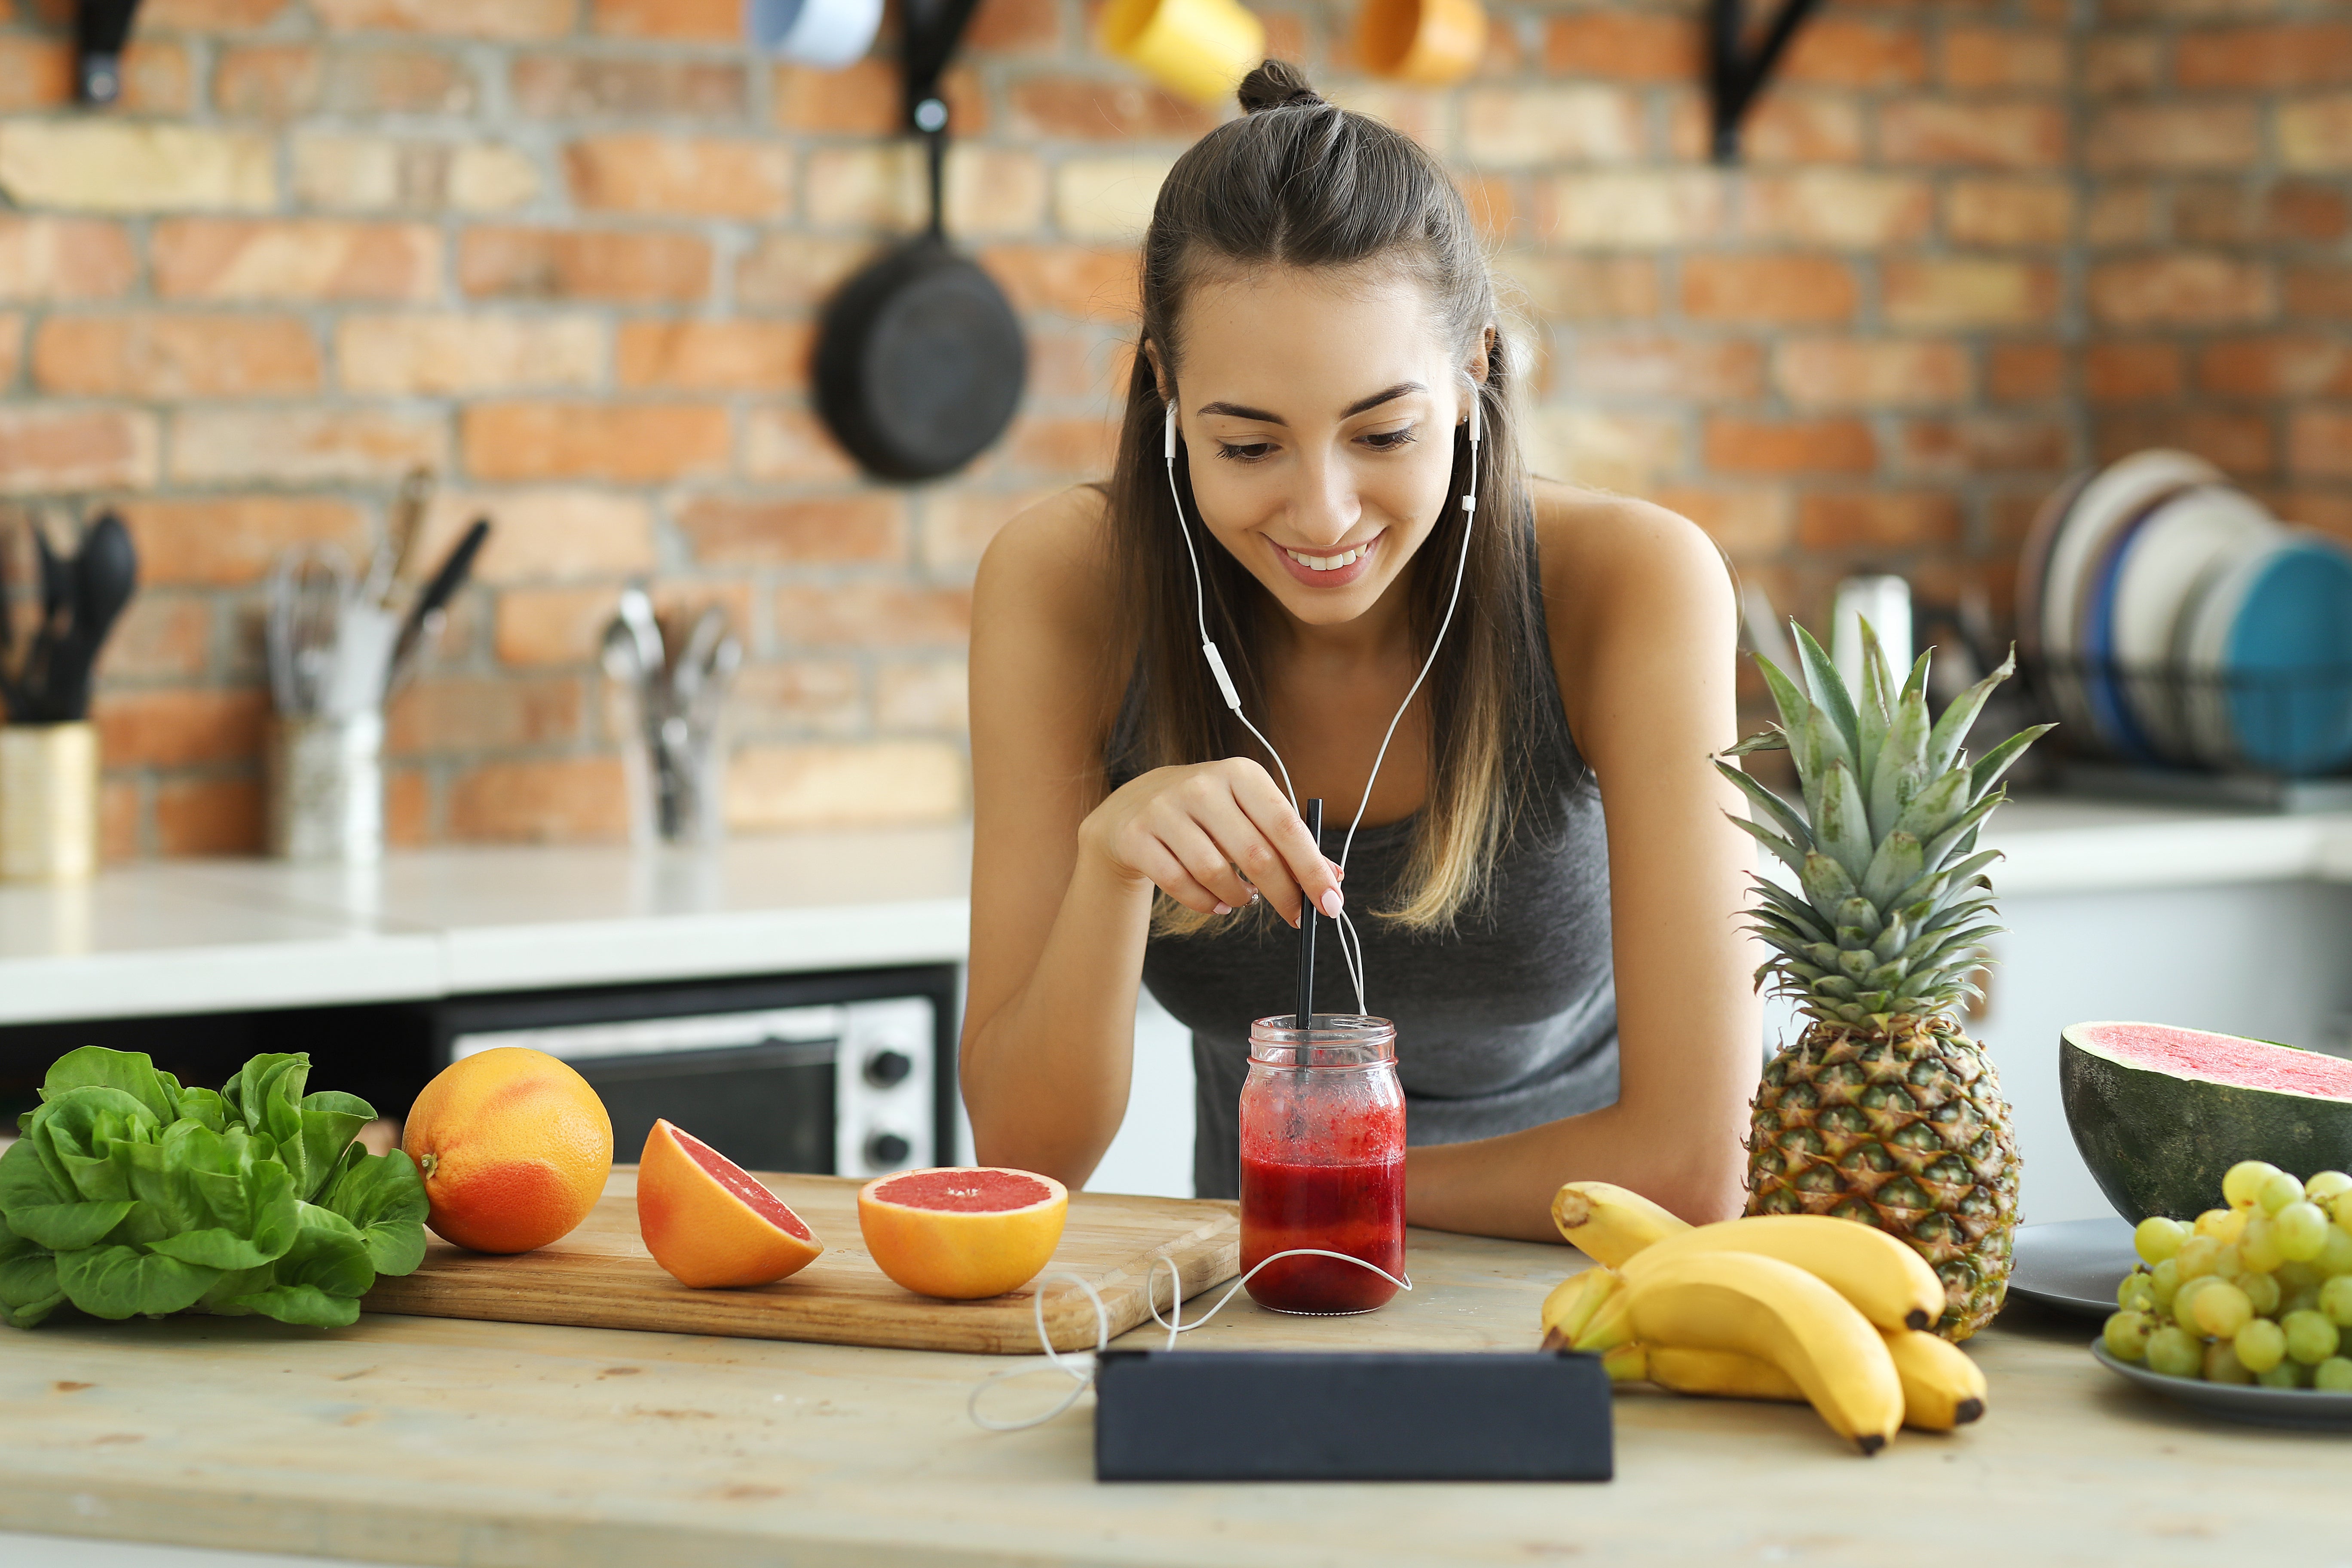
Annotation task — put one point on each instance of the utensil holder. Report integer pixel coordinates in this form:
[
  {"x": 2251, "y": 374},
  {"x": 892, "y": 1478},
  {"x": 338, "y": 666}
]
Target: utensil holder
[
  {"x": 326, "y": 788},
  {"x": 49, "y": 803}
]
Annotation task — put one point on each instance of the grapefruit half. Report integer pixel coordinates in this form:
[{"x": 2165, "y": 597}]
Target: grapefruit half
[
  {"x": 962, "y": 1232},
  {"x": 709, "y": 1223}
]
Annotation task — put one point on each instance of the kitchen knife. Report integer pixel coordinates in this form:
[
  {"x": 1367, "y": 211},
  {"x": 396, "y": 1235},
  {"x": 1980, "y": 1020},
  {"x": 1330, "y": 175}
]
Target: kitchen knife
[{"x": 426, "y": 617}]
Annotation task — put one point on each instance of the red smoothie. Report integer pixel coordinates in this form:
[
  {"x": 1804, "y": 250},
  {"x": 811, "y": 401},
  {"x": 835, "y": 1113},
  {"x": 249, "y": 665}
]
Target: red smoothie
[{"x": 1356, "y": 1209}]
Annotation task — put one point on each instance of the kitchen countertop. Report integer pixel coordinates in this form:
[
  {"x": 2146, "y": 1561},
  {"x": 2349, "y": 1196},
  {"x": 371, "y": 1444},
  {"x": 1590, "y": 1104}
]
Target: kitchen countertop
[
  {"x": 202, "y": 935},
  {"x": 436, "y": 1441},
  {"x": 222, "y": 935}
]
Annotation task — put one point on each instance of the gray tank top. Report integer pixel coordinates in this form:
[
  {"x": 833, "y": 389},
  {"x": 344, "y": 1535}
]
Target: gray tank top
[{"x": 1507, "y": 1022}]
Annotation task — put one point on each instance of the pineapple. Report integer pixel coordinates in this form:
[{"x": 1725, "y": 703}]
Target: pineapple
[{"x": 1882, "y": 1112}]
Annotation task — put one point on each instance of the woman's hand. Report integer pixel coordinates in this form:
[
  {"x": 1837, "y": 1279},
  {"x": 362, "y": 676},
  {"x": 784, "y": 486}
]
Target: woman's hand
[{"x": 1213, "y": 835}]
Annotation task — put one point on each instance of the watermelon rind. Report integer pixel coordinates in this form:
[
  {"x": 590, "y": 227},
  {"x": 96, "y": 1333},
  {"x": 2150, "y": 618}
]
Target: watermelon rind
[{"x": 2158, "y": 1144}]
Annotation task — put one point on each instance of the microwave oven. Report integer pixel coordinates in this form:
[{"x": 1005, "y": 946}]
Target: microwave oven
[{"x": 848, "y": 1074}]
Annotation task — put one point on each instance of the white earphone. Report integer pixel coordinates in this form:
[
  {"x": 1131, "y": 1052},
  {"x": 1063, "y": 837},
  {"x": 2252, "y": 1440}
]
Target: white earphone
[{"x": 1351, "y": 951}]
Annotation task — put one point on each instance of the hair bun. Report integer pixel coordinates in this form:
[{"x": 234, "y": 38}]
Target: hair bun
[{"x": 1275, "y": 84}]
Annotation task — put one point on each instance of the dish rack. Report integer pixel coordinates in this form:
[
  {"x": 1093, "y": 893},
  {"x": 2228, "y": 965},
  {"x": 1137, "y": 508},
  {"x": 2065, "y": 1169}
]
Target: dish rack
[{"x": 2270, "y": 739}]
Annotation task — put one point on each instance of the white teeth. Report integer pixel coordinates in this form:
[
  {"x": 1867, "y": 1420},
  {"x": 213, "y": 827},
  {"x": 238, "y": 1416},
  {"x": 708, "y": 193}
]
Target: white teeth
[{"x": 1328, "y": 563}]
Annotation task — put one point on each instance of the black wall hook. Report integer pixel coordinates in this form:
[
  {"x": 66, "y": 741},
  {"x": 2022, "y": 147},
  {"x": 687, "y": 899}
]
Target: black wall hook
[
  {"x": 102, "y": 29},
  {"x": 1736, "y": 77}
]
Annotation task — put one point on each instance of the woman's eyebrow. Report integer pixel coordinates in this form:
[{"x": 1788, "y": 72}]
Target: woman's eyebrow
[{"x": 1240, "y": 411}]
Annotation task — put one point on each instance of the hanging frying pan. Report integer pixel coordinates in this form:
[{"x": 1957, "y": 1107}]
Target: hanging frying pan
[{"x": 920, "y": 361}]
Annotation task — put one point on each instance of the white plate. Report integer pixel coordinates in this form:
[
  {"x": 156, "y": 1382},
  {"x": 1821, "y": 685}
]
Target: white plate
[
  {"x": 2034, "y": 559},
  {"x": 2239, "y": 1401},
  {"x": 2119, "y": 494},
  {"x": 2165, "y": 562}
]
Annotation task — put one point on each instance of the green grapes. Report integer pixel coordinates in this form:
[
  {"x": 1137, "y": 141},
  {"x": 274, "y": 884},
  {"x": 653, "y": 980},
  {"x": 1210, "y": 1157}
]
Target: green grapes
[
  {"x": 2165, "y": 1280},
  {"x": 2309, "y": 1337},
  {"x": 2336, "y": 1257},
  {"x": 2222, "y": 1224},
  {"x": 2222, "y": 1310},
  {"x": 2258, "y": 1244},
  {"x": 2262, "y": 1345},
  {"x": 2335, "y": 1300},
  {"x": 2127, "y": 1335},
  {"x": 2172, "y": 1352},
  {"x": 2137, "y": 1293},
  {"x": 2333, "y": 1375},
  {"x": 2277, "y": 1191},
  {"x": 2302, "y": 1299},
  {"x": 2342, "y": 1209},
  {"x": 2302, "y": 1231},
  {"x": 2184, "y": 1301},
  {"x": 2243, "y": 1184},
  {"x": 2261, "y": 1289},
  {"x": 2325, "y": 1186},
  {"x": 2288, "y": 1374},
  {"x": 2198, "y": 1256},
  {"x": 2295, "y": 1275},
  {"x": 2222, "y": 1364},
  {"x": 2156, "y": 1238}
]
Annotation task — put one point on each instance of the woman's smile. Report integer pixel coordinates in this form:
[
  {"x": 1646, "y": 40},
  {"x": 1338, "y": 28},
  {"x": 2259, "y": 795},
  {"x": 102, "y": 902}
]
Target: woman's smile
[{"x": 1336, "y": 570}]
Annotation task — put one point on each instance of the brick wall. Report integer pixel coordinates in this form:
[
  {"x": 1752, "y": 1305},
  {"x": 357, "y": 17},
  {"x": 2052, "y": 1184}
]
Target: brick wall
[{"x": 568, "y": 251}]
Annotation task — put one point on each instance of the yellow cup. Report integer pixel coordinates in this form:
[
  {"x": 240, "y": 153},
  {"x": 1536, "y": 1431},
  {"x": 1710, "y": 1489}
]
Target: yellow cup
[
  {"x": 1431, "y": 43},
  {"x": 1201, "y": 49}
]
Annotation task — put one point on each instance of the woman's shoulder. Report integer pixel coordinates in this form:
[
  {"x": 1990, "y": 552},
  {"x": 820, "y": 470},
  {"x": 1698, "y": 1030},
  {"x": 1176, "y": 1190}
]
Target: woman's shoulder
[
  {"x": 1621, "y": 574},
  {"x": 1596, "y": 547},
  {"x": 1053, "y": 556}
]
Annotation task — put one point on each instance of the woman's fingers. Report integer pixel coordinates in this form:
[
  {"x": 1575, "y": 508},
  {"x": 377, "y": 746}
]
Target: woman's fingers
[
  {"x": 1302, "y": 859},
  {"x": 1159, "y": 863},
  {"x": 1208, "y": 862},
  {"x": 1239, "y": 840}
]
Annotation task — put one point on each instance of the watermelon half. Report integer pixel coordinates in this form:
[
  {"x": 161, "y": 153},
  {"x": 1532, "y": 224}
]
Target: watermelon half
[{"x": 2160, "y": 1113}]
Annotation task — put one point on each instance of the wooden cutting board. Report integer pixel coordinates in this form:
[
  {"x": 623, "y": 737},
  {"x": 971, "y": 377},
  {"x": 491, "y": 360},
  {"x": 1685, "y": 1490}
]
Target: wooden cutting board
[{"x": 599, "y": 1276}]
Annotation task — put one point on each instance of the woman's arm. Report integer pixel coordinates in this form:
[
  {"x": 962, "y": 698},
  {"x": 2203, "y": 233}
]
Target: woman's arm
[
  {"x": 1063, "y": 875},
  {"x": 1644, "y": 634}
]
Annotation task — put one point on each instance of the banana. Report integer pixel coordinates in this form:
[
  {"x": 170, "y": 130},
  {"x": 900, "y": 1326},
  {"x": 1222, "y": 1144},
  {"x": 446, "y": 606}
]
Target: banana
[
  {"x": 1626, "y": 1363},
  {"x": 1887, "y": 1281},
  {"x": 1573, "y": 1303},
  {"x": 1610, "y": 1224},
  {"x": 1774, "y": 1312},
  {"x": 1942, "y": 1388},
  {"x": 1720, "y": 1375},
  {"x": 1611, "y": 1325}
]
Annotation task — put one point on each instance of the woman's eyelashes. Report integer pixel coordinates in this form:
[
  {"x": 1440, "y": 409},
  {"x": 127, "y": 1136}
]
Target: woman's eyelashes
[{"x": 1377, "y": 440}]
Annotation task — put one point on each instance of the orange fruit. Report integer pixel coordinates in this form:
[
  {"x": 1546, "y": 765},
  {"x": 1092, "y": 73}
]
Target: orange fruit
[
  {"x": 514, "y": 1147},
  {"x": 962, "y": 1232},
  {"x": 709, "y": 1223}
]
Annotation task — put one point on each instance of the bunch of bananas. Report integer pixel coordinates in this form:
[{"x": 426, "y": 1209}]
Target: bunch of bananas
[{"x": 1792, "y": 1307}]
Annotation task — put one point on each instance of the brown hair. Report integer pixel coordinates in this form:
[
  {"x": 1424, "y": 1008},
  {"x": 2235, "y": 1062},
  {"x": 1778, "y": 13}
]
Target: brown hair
[{"x": 1299, "y": 182}]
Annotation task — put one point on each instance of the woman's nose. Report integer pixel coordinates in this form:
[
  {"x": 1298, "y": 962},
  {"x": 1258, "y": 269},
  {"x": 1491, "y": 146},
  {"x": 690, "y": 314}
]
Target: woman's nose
[{"x": 1325, "y": 508}]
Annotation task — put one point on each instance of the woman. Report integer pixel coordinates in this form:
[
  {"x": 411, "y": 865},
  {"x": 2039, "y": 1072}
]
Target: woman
[{"x": 1569, "y": 983}]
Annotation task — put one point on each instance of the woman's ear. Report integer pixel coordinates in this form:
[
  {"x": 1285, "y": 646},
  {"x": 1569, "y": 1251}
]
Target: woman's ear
[
  {"x": 1479, "y": 366},
  {"x": 1159, "y": 372}
]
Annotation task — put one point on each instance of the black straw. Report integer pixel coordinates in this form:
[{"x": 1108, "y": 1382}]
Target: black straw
[{"x": 1313, "y": 812}]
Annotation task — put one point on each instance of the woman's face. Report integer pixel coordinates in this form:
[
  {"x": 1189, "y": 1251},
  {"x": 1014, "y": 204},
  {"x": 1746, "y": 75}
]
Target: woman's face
[{"x": 1318, "y": 416}]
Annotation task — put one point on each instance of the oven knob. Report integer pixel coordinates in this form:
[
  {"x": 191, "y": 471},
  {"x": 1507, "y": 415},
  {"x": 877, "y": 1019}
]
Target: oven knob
[
  {"x": 887, "y": 1150},
  {"x": 888, "y": 1069}
]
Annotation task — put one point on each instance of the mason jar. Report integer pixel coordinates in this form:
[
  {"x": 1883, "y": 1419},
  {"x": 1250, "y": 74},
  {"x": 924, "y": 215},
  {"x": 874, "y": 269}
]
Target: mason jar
[{"x": 1322, "y": 1143}]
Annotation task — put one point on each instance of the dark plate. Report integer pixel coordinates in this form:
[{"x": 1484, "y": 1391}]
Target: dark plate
[
  {"x": 2306, "y": 1407},
  {"x": 2073, "y": 1265}
]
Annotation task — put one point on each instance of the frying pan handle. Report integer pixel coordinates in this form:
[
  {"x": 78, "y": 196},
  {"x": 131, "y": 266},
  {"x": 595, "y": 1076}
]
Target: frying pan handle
[{"x": 934, "y": 28}]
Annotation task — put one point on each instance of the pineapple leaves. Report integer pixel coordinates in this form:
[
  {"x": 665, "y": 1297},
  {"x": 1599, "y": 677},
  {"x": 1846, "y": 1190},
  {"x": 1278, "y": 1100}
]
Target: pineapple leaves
[
  {"x": 1841, "y": 826},
  {"x": 1988, "y": 769},
  {"x": 1896, "y": 867},
  {"x": 1780, "y": 810},
  {"x": 1772, "y": 739},
  {"x": 1953, "y": 728},
  {"x": 1825, "y": 881},
  {"x": 1828, "y": 689},
  {"x": 1874, "y": 716},
  {"x": 1787, "y": 853},
  {"x": 1901, "y": 770}
]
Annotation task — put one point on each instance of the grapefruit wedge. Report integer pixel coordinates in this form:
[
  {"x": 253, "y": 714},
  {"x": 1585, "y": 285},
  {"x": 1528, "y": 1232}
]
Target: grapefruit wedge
[
  {"x": 709, "y": 1223},
  {"x": 962, "y": 1232}
]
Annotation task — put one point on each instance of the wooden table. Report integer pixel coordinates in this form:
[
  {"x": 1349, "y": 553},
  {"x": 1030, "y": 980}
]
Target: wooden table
[{"x": 434, "y": 1441}]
